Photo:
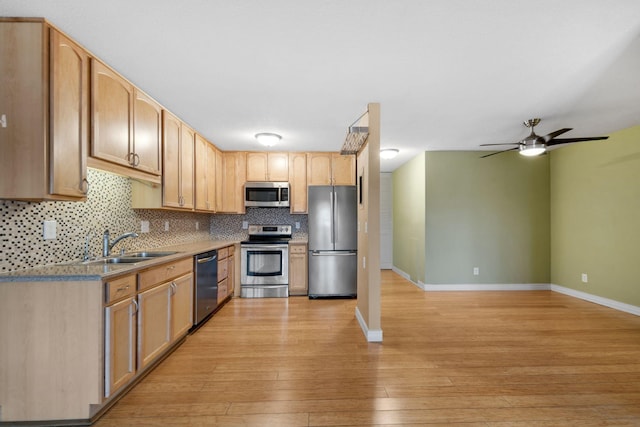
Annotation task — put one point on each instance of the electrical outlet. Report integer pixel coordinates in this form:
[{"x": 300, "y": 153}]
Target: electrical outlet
[
  {"x": 585, "y": 278},
  {"x": 245, "y": 225},
  {"x": 49, "y": 230},
  {"x": 166, "y": 226},
  {"x": 197, "y": 225},
  {"x": 297, "y": 225},
  {"x": 476, "y": 271},
  {"x": 144, "y": 226}
]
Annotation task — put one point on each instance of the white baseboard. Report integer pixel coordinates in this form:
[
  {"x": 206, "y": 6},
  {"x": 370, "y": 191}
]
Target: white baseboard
[
  {"x": 488, "y": 287},
  {"x": 617, "y": 305},
  {"x": 374, "y": 335},
  {"x": 407, "y": 277}
]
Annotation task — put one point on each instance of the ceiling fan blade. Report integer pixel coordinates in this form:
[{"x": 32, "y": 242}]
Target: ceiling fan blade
[
  {"x": 503, "y": 143},
  {"x": 569, "y": 140},
  {"x": 498, "y": 152},
  {"x": 552, "y": 135}
]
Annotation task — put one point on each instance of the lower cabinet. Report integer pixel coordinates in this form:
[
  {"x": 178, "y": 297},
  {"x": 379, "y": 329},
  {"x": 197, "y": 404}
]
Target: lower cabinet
[
  {"x": 298, "y": 280},
  {"x": 226, "y": 272},
  {"x": 120, "y": 344}
]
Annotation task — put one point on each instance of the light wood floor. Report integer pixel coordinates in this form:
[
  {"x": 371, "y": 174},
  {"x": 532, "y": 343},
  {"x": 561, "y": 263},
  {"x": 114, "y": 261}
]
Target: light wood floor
[{"x": 448, "y": 358}]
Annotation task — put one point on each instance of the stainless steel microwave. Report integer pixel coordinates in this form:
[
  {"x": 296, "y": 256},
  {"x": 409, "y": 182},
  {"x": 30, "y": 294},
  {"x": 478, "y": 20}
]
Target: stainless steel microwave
[{"x": 266, "y": 194}]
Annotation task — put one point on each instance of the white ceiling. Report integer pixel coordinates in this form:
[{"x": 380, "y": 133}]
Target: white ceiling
[{"x": 449, "y": 74}]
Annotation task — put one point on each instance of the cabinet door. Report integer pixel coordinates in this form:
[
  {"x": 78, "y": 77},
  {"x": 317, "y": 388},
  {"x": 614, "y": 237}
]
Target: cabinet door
[
  {"x": 147, "y": 133},
  {"x": 233, "y": 179},
  {"x": 181, "y": 306},
  {"x": 154, "y": 323},
  {"x": 257, "y": 166},
  {"x": 170, "y": 160},
  {"x": 120, "y": 345},
  {"x": 231, "y": 274},
  {"x": 343, "y": 169},
  {"x": 298, "y": 182},
  {"x": 211, "y": 177},
  {"x": 186, "y": 166},
  {"x": 111, "y": 115},
  {"x": 219, "y": 181},
  {"x": 69, "y": 110},
  {"x": 277, "y": 167},
  {"x": 201, "y": 173},
  {"x": 319, "y": 169},
  {"x": 297, "y": 269}
]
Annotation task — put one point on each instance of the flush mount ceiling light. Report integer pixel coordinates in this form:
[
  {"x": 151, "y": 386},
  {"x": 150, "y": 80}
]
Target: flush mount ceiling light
[
  {"x": 388, "y": 153},
  {"x": 268, "y": 139}
]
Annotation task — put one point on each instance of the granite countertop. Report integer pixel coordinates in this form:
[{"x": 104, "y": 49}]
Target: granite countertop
[{"x": 77, "y": 271}]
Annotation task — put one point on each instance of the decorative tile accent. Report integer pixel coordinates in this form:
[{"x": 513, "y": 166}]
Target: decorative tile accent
[
  {"x": 225, "y": 226},
  {"x": 108, "y": 206}
]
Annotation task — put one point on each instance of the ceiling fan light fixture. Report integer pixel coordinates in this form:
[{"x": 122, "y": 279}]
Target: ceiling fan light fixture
[
  {"x": 389, "y": 153},
  {"x": 532, "y": 150},
  {"x": 268, "y": 139}
]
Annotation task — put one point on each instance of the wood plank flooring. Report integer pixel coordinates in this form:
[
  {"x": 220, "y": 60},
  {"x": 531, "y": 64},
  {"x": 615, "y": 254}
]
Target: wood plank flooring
[{"x": 492, "y": 359}]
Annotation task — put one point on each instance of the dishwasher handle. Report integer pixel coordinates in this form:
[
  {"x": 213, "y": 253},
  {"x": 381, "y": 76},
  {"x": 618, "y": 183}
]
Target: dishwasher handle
[{"x": 208, "y": 259}]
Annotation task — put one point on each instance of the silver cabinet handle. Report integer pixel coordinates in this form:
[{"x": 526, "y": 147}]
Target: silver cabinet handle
[
  {"x": 135, "y": 304},
  {"x": 136, "y": 159},
  {"x": 203, "y": 260},
  {"x": 122, "y": 288},
  {"x": 84, "y": 186}
]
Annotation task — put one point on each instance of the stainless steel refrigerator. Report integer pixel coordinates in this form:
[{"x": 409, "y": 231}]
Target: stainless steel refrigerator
[{"x": 333, "y": 241}]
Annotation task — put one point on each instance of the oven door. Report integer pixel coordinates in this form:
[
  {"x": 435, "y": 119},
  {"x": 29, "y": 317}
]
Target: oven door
[{"x": 264, "y": 264}]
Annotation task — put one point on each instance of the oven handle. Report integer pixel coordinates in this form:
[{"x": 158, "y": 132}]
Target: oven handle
[{"x": 264, "y": 246}]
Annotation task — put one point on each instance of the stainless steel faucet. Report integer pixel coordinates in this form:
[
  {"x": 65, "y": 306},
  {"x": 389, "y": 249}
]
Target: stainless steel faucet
[{"x": 107, "y": 244}]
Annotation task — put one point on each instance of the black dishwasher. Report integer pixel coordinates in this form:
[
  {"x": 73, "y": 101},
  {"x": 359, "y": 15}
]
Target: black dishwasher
[{"x": 206, "y": 288}]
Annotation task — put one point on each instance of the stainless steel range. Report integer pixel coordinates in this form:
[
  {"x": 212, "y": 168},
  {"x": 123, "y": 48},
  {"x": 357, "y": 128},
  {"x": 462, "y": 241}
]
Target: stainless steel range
[{"x": 265, "y": 262}]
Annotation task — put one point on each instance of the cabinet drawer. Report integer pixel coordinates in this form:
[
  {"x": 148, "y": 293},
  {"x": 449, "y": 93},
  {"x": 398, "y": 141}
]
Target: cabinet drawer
[
  {"x": 232, "y": 250},
  {"x": 297, "y": 249},
  {"x": 223, "y": 269},
  {"x": 119, "y": 288},
  {"x": 223, "y": 290},
  {"x": 164, "y": 273},
  {"x": 223, "y": 253}
]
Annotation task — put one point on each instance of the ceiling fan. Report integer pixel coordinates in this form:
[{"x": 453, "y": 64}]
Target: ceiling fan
[{"x": 534, "y": 145}]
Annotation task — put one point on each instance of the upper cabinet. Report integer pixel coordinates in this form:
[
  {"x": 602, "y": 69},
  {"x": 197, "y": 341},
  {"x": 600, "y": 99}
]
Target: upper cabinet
[
  {"x": 328, "y": 168},
  {"x": 178, "y": 160},
  {"x": 125, "y": 122},
  {"x": 233, "y": 170},
  {"x": 44, "y": 103},
  {"x": 205, "y": 175},
  {"x": 298, "y": 182},
  {"x": 266, "y": 166}
]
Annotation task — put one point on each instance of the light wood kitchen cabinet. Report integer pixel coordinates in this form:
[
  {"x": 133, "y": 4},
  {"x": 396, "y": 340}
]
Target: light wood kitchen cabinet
[
  {"x": 120, "y": 333},
  {"x": 45, "y": 102},
  {"x": 231, "y": 270},
  {"x": 226, "y": 272},
  {"x": 165, "y": 308},
  {"x": 267, "y": 166},
  {"x": 234, "y": 172},
  {"x": 329, "y": 168},
  {"x": 177, "y": 159},
  {"x": 205, "y": 175},
  {"x": 181, "y": 306},
  {"x": 147, "y": 134},
  {"x": 298, "y": 183},
  {"x": 154, "y": 323},
  {"x": 298, "y": 280},
  {"x": 126, "y": 122}
]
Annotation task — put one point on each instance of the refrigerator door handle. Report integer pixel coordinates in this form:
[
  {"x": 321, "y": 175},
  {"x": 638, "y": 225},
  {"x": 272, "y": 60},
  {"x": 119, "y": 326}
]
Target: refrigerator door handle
[
  {"x": 333, "y": 216},
  {"x": 332, "y": 253}
]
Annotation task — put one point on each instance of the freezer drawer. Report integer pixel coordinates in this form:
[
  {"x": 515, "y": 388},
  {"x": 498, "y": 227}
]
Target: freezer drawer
[{"x": 332, "y": 274}]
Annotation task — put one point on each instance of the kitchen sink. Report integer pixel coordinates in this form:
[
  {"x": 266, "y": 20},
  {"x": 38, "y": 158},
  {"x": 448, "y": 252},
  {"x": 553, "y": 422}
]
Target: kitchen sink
[
  {"x": 149, "y": 254},
  {"x": 119, "y": 260}
]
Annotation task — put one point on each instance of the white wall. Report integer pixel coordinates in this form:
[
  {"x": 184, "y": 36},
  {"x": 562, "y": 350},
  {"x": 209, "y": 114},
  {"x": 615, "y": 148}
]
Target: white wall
[{"x": 386, "y": 221}]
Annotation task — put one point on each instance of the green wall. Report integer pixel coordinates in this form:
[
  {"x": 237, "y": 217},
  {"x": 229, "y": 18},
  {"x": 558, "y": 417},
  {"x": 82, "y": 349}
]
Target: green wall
[
  {"x": 595, "y": 216},
  {"x": 409, "y": 218},
  {"x": 454, "y": 211},
  {"x": 490, "y": 213}
]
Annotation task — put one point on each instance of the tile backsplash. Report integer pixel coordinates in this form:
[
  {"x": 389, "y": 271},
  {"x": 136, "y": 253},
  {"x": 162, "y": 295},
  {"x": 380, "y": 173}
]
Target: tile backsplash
[{"x": 108, "y": 206}]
